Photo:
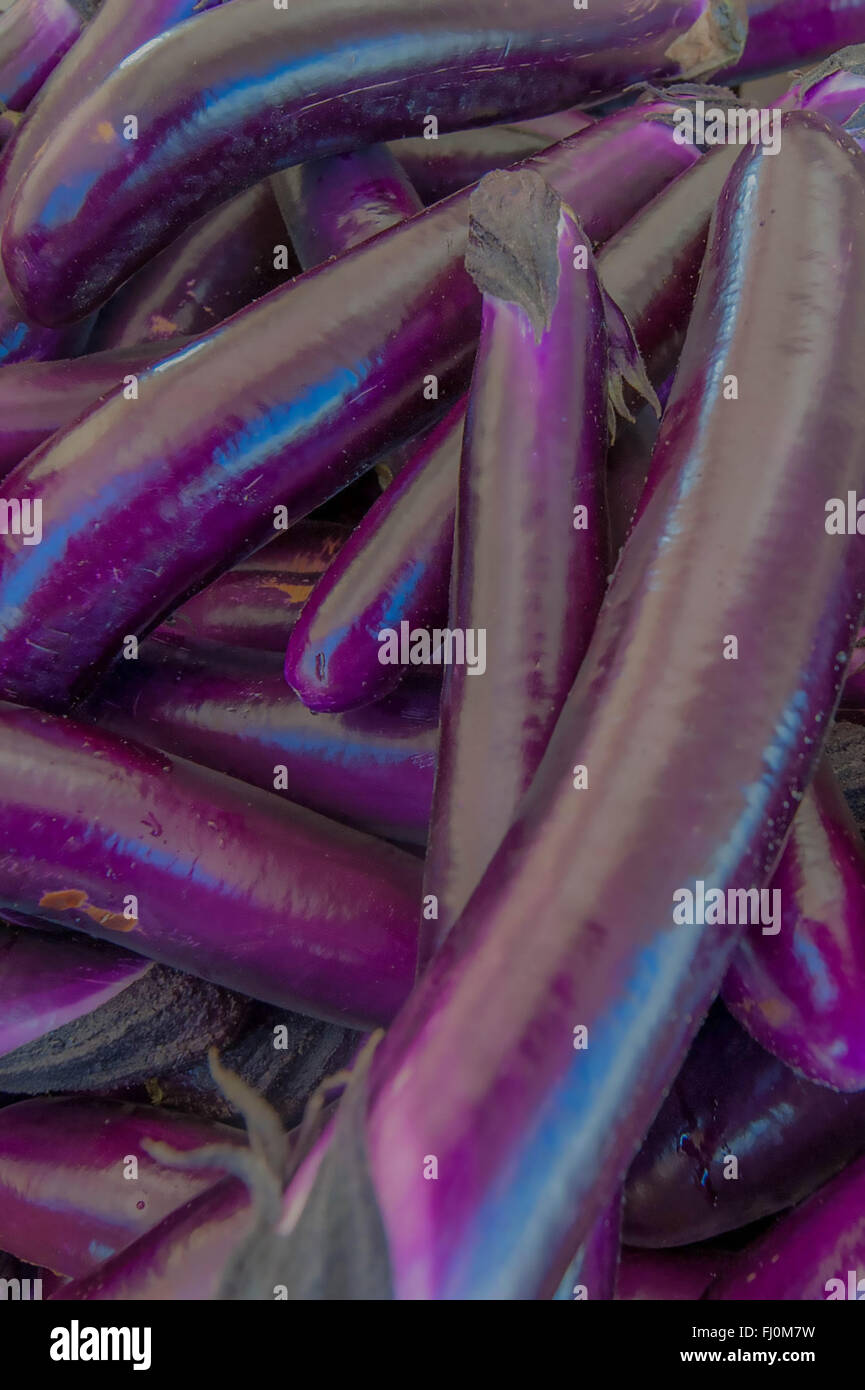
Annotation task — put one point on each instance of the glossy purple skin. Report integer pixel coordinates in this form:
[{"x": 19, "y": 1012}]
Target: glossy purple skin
[
  {"x": 440, "y": 167},
  {"x": 236, "y": 94},
  {"x": 835, "y": 88},
  {"x": 119, "y": 27},
  {"x": 784, "y": 34},
  {"x": 732, "y": 1097},
  {"x": 663, "y": 1276},
  {"x": 222, "y": 263},
  {"x": 181, "y": 1258},
  {"x": 594, "y": 1267},
  {"x": 371, "y": 768},
  {"x": 233, "y": 885},
  {"x": 521, "y": 571},
  {"x": 47, "y": 980},
  {"x": 38, "y": 398},
  {"x": 652, "y": 265},
  {"x": 34, "y": 35},
  {"x": 64, "y": 1199},
  {"x": 145, "y": 501},
  {"x": 820, "y": 1241},
  {"x": 397, "y": 565},
  {"x": 330, "y": 205},
  {"x": 258, "y": 603},
  {"x": 801, "y": 993},
  {"x": 519, "y": 1120}
]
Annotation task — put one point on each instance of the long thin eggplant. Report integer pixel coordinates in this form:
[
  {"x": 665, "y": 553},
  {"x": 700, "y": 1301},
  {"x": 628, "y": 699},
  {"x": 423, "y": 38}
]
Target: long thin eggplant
[
  {"x": 371, "y": 768},
  {"x": 396, "y": 567},
  {"x": 801, "y": 992},
  {"x": 46, "y": 981},
  {"x": 119, "y": 27},
  {"x": 733, "y": 1100},
  {"x": 223, "y": 262},
  {"x": 330, "y": 205},
  {"x": 257, "y": 603},
  {"x": 143, "y": 501},
  {"x": 440, "y": 166},
  {"x": 591, "y": 1276},
  {"x": 34, "y": 35},
  {"x": 531, "y": 545},
  {"x": 38, "y": 398},
  {"x": 816, "y": 1253},
  {"x": 202, "y": 872},
  {"x": 528, "y": 1063},
  {"x": 240, "y": 92},
  {"x": 77, "y": 1184}
]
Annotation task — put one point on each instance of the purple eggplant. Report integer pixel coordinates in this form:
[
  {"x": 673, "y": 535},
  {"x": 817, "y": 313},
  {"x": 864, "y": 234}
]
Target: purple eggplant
[
  {"x": 330, "y": 205},
  {"x": 119, "y": 27},
  {"x": 531, "y": 545},
  {"x": 251, "y": 423},
  {"x": 283, "y": 87},
  {"x": 202, "y": 872},
  {"x": 180, "y": 1259},
  {"x": 667, "y": 1276},
  {"x": 815, "y": 1253},
  {"x": 34, "y": 35},
  {"x": 799, "y": 989},
  {"x": 592, "y": 1273},
  {"x": 371, "y": 768},
  {"x": 77, "y": 1184},
  {"x": 222, "y": 263},
  {"x": 257, "y": 603},
  {"x": 46, "y": 981},
  {"x": 396, "y": 567},
  {"x": 38, "y": 398},
  {"x": 733, "y": 1100},
  {"x": 835, "y": 88},
  {"x": 443, "y": 165},
  {"x": 579, "y": 932}
]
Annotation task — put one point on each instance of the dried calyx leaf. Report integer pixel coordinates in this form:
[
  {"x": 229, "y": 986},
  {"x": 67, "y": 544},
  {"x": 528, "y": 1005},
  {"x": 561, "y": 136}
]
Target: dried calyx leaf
[
  {"x": 855, "y": 124},
  {"x": 850, "y": 59},
  {"x": 625, "y": 367},
  {"x": 337, "y": 1249},
  {"x": 716, "y": 40},
  {"x": 513, "y": 242}
]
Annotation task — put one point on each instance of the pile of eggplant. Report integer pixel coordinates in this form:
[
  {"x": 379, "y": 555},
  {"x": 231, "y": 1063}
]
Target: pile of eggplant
[{"x": 432, "y": 660}]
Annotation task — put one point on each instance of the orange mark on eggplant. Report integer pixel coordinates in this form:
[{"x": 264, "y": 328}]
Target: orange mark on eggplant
[{"x": 69, "y": 899}]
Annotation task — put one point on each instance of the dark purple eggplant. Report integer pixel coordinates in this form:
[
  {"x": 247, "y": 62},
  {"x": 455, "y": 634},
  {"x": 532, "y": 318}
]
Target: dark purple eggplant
[
  {"x": 731, "y": 1100},
  {"x": 320, "y": 79},
  {"x": 253, "y": 423},
  {"x": 202, "y": 872},
  {"x": 575, "y": 922},
  {"x": 34, "y": 35},
  {"x": 371, "y": 768}
]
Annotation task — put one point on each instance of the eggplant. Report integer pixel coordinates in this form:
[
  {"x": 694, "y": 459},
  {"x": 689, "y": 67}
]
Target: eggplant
[
  {"x": 37, "y": 398},
  {"x": 180, "y": 1259},
  {"x": 170, "y": 489},
  {"x": 731, "y": 1098},
  {"x": 592, "y": 1273},
  {"x": 330, "y": 205},
  {"x": 34, "y": 35},
  {"x": 801, "y": 992},
  {"x": 285, "y": 87},
  {"x": 396, "y": 567},
  {"x": 443, "y": 165},
  {"x": 835, "y": 87},
  {"x": 201, "y": 872},
  {"x": 816, "y": 1252},
  {"x": 486, "y": 1059},
  {"x": 667, "y": 1276},
  {"x": 119, "y": 27},
  {"x": 221, "y": 263},
  {"x": 47, "y": 981},
  {"x": 257, "y": 603},
  {"x": 371, "y": 768},
  {"x": 78, "y": 1185},
  {"x": 531, "y": 546},
  {"x": 164, "y": 1020}
]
